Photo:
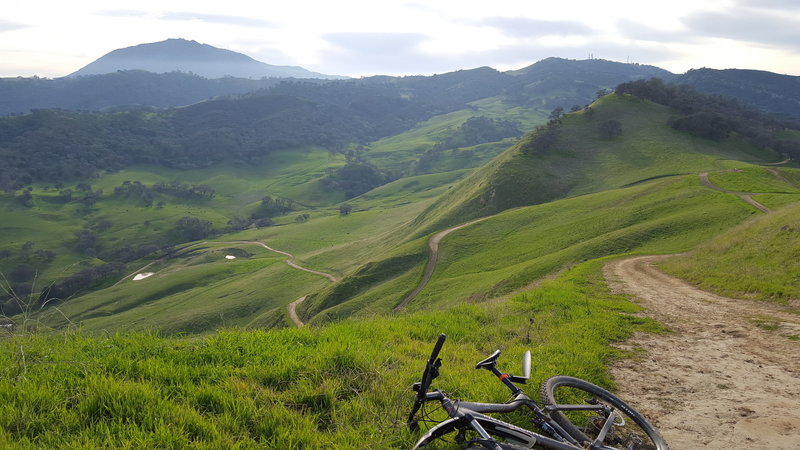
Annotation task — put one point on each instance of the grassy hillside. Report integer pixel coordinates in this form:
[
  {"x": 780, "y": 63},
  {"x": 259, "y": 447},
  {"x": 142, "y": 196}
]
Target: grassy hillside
[
  {"x": 379, "y": 249},
  {"x": 100, "y": 373},
  {"x": 518, "y": 247},
  {"x": 340, "y": 386},
  {"x": 50, "y": 220},
  {"x": 758, "y": 258},
  {"x": 584, "y": 160}
]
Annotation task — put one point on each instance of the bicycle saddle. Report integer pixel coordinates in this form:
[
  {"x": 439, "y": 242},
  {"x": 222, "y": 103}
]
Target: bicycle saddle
[{"x": 489, "y": 362}]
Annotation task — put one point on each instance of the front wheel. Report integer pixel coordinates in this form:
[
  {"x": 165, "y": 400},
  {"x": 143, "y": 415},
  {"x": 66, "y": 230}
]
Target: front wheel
[{"x": 630, "y": 430}]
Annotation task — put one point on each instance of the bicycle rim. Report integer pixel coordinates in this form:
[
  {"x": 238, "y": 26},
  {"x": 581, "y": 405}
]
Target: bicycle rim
[{"x": 630, "y": 430}]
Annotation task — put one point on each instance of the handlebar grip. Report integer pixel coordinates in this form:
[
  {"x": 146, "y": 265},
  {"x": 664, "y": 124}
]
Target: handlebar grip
[{"x": 437, "y": 348}]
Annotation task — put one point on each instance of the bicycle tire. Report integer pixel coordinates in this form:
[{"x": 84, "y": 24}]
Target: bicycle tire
[
  {"x": 637, "y": 433},
  {"x": 497, "y": 429}
]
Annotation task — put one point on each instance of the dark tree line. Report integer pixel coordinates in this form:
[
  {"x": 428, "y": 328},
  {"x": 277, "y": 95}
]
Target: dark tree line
[
  {"x": 543, "y": 139},
  {"x": 715, "y": 117},
  {"x": 57, "y": 145},
  {"x": 356, "y": 178}
]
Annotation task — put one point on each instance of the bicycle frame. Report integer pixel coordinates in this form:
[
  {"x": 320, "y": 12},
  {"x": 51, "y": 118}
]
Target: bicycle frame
[
  {"x": 469, "y": 415},
  {"x": 464, "y": 415}
]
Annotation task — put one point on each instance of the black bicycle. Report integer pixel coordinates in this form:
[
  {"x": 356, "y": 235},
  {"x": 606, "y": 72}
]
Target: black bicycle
[{"x": 574, "y": 414}]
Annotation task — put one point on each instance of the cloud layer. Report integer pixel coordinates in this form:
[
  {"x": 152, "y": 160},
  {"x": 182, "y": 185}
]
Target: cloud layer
[{"x": 355, "y": 37}]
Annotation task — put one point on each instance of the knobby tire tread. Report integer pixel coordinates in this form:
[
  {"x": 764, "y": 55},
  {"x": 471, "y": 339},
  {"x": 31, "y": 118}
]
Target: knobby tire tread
[{"x": 548, "y": 397}]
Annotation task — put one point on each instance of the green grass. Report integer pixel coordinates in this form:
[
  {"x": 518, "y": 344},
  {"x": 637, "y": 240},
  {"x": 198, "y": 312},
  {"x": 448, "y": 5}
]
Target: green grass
[
  {"x": 202, "y": 292},
  {"x": 340, "y": 386},
  {"x": 520, "y": 246},
  {"x": 396, "y": 153},
  {"x": 199, "y": 293},
  {"x": 756, "y": 259},
  {"x": 758, "y": 180},
  {"x": 51, "y": 225},
  {"x": 290, "y": 174},
  {"x": 583, "y": 161}
]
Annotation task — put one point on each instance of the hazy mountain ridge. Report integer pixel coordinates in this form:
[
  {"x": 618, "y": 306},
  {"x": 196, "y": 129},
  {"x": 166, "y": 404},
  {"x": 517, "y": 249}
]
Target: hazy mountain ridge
[
  {"x": 119, "y": 90},
  {"x": 767, "y": 91},
  {"x": 192, "y": 57},
  {"x": 557, "y": 82},
  {"x": 178, "y": 72}
]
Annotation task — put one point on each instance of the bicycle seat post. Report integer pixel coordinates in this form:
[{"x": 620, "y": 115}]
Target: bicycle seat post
[{"x": 490, "y": 364}]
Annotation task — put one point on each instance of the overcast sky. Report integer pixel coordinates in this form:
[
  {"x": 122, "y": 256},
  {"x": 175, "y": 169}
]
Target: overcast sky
[{"x": 52, "y": 38}]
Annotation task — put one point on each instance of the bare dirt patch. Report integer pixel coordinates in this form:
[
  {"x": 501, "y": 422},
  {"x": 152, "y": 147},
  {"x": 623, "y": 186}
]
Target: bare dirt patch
[
  {"x": 722, "y": 379},
  {"x": 292, "y": 308}
]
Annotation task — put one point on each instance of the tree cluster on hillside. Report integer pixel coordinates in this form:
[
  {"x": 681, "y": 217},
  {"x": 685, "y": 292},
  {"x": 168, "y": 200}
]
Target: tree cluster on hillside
[
  {"x": 84, "y": 279},
  {"x": 192, "y": 229},
  {"x": 23, "y": 266},
  {"x": 714, "y": 116},
  {"x": 543, "y": 139},
  {"x": 58, "y": 146},
  {"x": 355, "y": 178},
  {"x": 767, "y": 91},
  {"x": 137, "y": 190},
  {"x": 479, "y": 130},
  {"x": 474, "y": 131}
]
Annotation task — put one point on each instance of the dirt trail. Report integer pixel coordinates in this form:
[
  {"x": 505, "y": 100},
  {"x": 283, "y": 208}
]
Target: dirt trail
[
  {"x": 292, "y": 308},
  {"x": 718, "y": 381},
  {"x": 746, "y": 196},
  {"x": 433, "y": 256},
  {"x": 290, "y": 262}
]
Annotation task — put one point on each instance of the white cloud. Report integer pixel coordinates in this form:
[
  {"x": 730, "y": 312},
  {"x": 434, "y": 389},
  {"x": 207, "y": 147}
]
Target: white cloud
[
  {"x": 217, "y": 19},
  {"x": 359, "y": 37},
  {"x": 525, "y": 27},
  {"x": 747, "y": 26},
  {"x": 11, "y": 26}
]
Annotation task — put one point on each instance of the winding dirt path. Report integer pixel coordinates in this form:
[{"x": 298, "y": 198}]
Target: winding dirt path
[
  {"x": 290, "y": 262},
  {"x": 718, "y": 380},
  {"x": 745, "y": 196},
  {"x": 433, "y": 257},
  {"x": 291, "y": 307}
]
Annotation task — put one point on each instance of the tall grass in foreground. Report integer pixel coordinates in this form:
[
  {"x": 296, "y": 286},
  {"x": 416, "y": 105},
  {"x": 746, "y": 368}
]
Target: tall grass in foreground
[{"x": 344, "y": 385}]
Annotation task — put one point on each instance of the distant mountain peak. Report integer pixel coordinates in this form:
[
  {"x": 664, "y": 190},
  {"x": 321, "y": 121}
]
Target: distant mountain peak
[{"x": 182, "y": 55}]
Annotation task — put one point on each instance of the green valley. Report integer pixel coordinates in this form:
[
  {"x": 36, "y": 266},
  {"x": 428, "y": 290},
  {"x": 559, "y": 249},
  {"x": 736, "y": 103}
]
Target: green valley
[{"x": 146, "y": 298}]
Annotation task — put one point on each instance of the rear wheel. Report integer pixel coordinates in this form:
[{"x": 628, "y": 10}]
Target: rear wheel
[
  {"x": 456, "y": 433},
  {"x": 630, "y": 430}
]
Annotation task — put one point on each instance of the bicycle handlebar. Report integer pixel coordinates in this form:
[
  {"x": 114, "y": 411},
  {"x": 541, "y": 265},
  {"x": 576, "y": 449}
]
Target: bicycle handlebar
[{"x": 430, "y": 373}]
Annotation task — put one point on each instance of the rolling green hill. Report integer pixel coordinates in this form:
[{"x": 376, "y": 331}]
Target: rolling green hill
[
  {"x": 634, "y": 191},
  {"x": 202, "y": 352},
  {"x": 583, "y": 159},
  {"x": 757, "y": 258}
]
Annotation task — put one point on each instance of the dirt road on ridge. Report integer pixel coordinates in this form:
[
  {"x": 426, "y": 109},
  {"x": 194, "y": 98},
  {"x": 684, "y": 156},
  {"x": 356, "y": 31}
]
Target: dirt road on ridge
[
  {"x": 433, "y": 257},
  {"x": 291, "y": 308},
  {"x": 745, "y": 196},
  {"x": 718, "y": 380}
]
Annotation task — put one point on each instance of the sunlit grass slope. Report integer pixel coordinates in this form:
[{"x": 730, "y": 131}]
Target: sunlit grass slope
[
  {"x": 757, "y": 259},
  {"x": 397, "y": 153},
  {"x": 51, "y": 224},
  {"x": 344, "y": 385},
  {"x": 583, "y": 161},
  {"x": 200, "y": 291},
  {"x": 520, "y": 246}
]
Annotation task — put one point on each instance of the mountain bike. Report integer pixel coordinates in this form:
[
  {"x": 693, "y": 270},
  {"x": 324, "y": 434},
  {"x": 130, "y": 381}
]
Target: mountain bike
[{"x": 573, "y": 414}]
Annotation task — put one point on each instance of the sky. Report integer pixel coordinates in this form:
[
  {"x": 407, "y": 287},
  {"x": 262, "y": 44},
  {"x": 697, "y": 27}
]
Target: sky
[{"x": 53, "y": 38}]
